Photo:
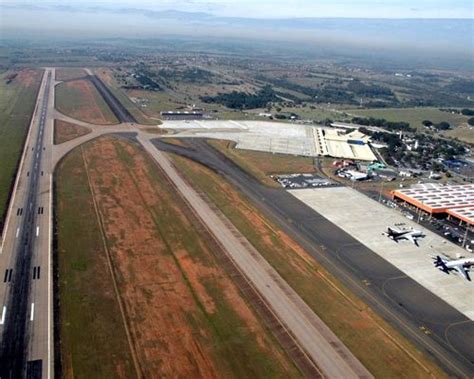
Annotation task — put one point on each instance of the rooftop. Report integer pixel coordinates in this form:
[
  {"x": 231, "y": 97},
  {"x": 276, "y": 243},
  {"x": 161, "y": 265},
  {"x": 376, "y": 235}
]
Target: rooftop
[{"x": 456, "y": 200}]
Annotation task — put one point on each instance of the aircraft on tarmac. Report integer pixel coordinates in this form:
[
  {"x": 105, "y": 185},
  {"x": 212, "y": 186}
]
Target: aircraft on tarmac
[
  {"x": 461, "y": 266},
  {"x": 398, "y": 234}
]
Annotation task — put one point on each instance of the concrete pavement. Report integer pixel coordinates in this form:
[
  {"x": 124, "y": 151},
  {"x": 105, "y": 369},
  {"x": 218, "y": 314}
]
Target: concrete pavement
[{"x": 26, "y": 292}]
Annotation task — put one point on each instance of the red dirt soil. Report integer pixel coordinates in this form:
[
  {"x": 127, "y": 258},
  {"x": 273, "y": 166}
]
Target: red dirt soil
[
  {"x": 65, "y": 131},
  {"x": 162, "y": 283}
]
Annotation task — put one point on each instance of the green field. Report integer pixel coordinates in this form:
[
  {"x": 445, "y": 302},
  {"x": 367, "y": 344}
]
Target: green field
[
  {"x": 465, "y": 134},
  {"x": 17, "y": 101},
  {"x": 385, "y": 352},
  {"x": 415, "y": 116}
]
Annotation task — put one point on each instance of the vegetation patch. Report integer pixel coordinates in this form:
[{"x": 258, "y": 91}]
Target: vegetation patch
[
  {"x": 92, "y": 333},
  {"x": 413, "y": 116},
  {"x": 244, "y": 100},
  {"x": 69, "y": 73},
  {"x": 81, "y": 100},
  {"x": 65, "y": 131}
]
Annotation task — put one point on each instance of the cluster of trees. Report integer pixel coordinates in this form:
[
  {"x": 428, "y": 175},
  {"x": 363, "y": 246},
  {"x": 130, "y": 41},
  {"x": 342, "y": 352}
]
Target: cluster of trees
[
  {"x": 361, "y": 89},
  {"x": 381, "y": 122},
  {"x": 188, "y": 75},
  {"x": 443, "y": 125},
  {"x": 467, "y": 112},
  {"x": 326, "y": 94},
  {"x": 462, "y": 86},
  {"x": 147, "y": 82},
  {"x": 244, "y": 100}
]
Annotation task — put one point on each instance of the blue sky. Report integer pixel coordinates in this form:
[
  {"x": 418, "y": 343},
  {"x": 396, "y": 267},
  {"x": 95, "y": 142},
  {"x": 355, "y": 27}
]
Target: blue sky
[{"x": 296, "y": 8}]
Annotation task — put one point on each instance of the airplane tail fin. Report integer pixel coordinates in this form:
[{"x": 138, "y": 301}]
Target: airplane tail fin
[{"x": 439, "y": 262}]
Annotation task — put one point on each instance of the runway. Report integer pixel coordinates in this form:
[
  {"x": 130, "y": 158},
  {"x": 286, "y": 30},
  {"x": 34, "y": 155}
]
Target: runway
[
  {"x": 330, "y": 356},
  {"x": 25, "y": 294},
  {"x": 411, "y": 308},
  {"x": 122, "y": 114}
]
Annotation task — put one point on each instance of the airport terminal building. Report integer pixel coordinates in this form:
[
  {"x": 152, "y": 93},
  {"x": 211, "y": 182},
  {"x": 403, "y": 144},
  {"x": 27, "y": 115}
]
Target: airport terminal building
[{"x": 454, "y": 201}]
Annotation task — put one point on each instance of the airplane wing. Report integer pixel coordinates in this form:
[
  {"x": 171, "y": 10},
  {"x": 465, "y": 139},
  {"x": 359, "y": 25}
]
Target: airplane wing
[
  {"x": 410, "y": 238},
  {"x": 462, "y": 270}
]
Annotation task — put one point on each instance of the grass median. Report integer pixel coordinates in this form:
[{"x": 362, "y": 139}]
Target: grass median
[{"x": 184, "y": 314}]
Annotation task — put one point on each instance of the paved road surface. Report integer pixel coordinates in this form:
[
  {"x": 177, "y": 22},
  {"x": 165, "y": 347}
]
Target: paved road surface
[{"x": 25, "y": 293}]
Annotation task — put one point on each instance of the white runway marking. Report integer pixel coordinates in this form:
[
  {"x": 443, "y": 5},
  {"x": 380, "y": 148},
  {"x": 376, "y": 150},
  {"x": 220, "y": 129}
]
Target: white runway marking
[
  {"x": 37, "y": 231},
  {"x": 2, "y": 321},
  {"x": 17, "y": 232},
  {"x": 32, "y": 311}
]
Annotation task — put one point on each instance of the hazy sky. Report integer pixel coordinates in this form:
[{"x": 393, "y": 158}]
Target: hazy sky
[{"x": 294, "y": 8}]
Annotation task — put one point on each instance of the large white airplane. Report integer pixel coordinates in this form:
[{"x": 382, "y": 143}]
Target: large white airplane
[
  {"x": 459, "y": 265},
  {"x": 397, "y": 234}
]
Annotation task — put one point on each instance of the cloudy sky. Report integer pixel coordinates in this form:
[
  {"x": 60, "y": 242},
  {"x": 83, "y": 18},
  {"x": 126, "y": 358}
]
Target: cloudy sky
[{"x": 295, "y": 8}]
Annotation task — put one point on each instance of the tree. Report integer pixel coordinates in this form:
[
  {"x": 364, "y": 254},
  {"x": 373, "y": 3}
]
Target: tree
[
  {"x": 471, "y": 121},
  {"x": 468, "y": 112},
  {"x": 443, "y": 125},
  {"x": 427, "y": 123}
]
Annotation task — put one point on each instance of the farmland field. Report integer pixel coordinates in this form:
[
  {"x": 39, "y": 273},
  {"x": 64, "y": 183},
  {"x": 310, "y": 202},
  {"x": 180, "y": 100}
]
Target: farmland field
[
  {"x": 414, "y": 116},
  {"x": 17, "y": 101},
  {"x": 158, "y": 302}
]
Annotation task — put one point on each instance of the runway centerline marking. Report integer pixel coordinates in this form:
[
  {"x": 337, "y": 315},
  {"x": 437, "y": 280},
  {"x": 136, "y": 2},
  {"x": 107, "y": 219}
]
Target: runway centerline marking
[{"x": 32, "y": 311}]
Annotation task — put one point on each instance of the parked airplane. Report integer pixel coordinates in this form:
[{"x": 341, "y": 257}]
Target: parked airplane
[
  {"x": 411, "y": 235},
  {"x": 460, "y": 265}
]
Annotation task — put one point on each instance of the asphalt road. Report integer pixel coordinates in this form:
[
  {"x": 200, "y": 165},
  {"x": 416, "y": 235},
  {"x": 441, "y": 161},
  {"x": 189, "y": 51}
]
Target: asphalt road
[
  {"x": 116, "y": 106},
  {"x": 25, "y": 293},
  {"x": 434, "y": 326}
]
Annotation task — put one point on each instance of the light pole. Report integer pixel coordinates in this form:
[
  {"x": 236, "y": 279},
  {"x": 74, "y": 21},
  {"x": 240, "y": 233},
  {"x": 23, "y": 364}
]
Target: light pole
[
  {"x": 381, "y": 190},
  {"x": 465, "y": 236}
]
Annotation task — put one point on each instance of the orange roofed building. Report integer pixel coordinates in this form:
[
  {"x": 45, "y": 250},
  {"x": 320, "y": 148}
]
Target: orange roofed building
[{"x": 455, "y": 201}]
